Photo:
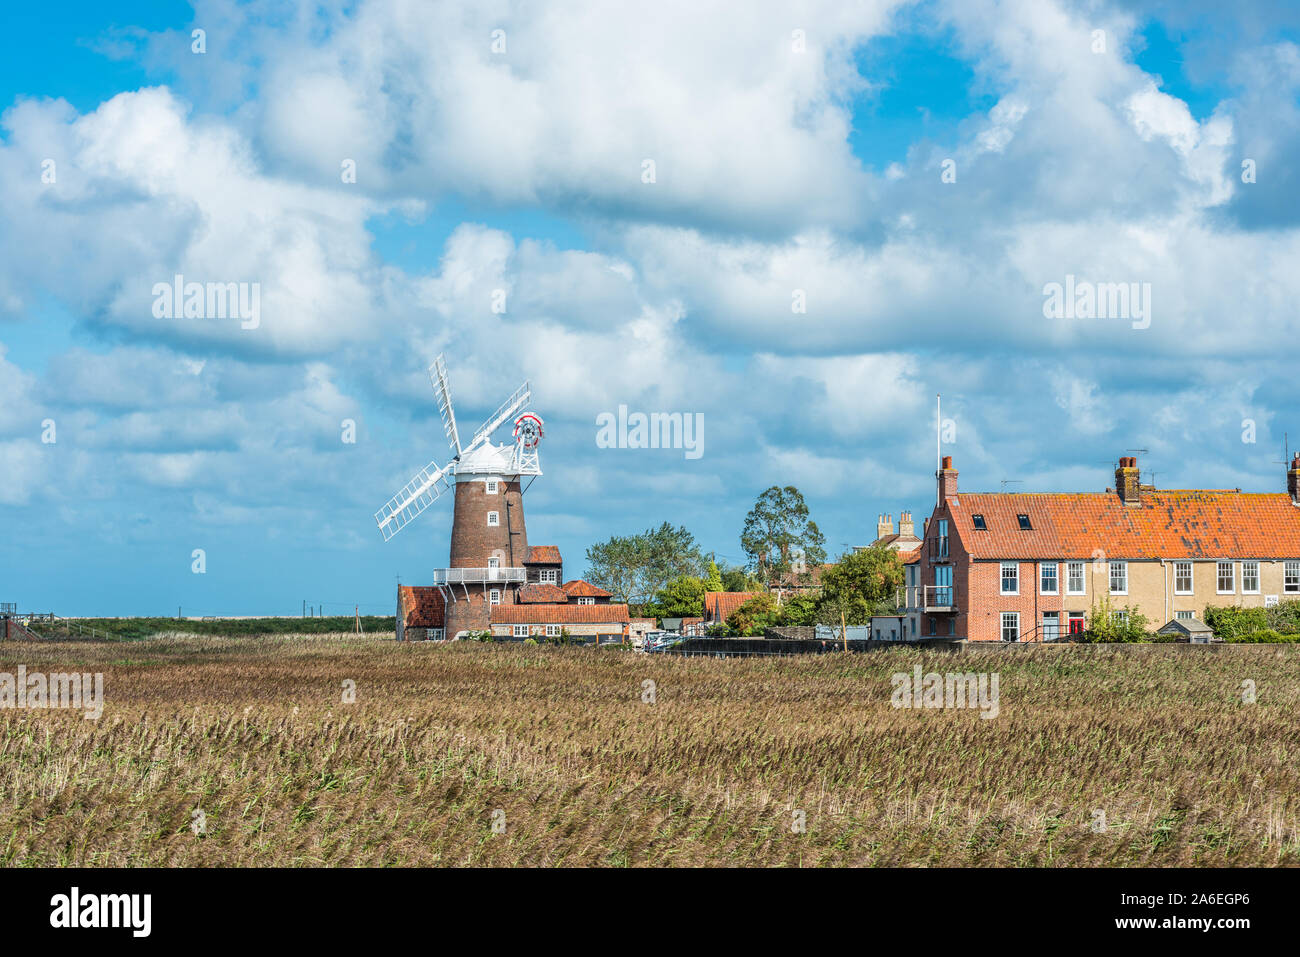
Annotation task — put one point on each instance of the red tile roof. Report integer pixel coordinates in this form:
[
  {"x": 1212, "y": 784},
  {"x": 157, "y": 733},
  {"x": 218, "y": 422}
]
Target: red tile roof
[
  {"x": 422, "y": 606},
  {"x": 565, "y": 614},
  {"x": 543, "y": 555},
  {"x": 538, "y": 592},
  {"x": 718, "y": 605},
  {"x": 584, "y": 589},
  {"x": 1197, "y": 524},
  {"x": 910, "y": 557}
]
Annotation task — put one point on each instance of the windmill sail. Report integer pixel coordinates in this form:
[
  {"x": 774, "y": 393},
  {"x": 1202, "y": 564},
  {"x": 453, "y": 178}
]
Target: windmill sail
[
  {"x": 512, "y": 405},
  {"x": 416, "y": 495},
  {"x": 438, "y": 376}
]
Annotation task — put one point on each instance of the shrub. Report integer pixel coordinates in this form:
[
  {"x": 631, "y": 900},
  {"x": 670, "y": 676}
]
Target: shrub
[
  {"x": 1284, "y": 617},
  {"x": 1230, "y": 621},
  {"x": 1264, "y": 635},
  {"x": 530, "y": 641},
  {"x": 1106, "y": 625}
]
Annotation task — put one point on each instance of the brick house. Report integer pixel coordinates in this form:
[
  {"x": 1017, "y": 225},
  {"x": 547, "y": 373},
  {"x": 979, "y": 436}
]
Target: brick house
[
  {"x": 607, "y": 623},
  {"x": 1030, "y": 567}
]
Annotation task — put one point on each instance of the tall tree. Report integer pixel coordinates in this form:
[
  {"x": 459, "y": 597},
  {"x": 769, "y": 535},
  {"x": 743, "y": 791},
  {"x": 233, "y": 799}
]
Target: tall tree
[
  {"x": 778, "y": 533},
  {"x": 634, "y": 567}
]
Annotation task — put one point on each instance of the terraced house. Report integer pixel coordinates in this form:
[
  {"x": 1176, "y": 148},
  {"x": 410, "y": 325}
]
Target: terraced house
[{"x": 1030, "y": 567}]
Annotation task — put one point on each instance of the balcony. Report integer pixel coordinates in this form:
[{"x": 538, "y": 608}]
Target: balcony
[
  {"x": 932, "y": 598},
  {"x": 476, "y": 576}
]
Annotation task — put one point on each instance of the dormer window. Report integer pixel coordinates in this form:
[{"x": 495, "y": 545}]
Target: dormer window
[
  {"x": 979, "y": 523},
  {"x": 1025, "y": 526}
]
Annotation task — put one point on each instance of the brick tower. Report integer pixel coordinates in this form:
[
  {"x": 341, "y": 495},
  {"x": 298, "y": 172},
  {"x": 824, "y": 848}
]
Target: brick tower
[{"x": 489, "y": 541}]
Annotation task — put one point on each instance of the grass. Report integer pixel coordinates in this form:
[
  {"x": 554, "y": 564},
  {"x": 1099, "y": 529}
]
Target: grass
[{"x": 255, "y": 734}]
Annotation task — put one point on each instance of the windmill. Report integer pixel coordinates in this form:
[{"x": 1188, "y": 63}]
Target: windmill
[{"x": 489, "y": 540}]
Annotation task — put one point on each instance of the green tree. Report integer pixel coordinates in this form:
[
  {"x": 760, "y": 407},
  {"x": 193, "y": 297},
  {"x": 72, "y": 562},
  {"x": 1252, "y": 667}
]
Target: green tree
[
  {"x": 713, "y": 577},
  {"x": 739, "y": 579},
  {"x": 778, "y": 533},
  {"x": 859, "y": 585},
  {"x": 634, "y": 567},
  {"x": 755, "y": 615},
  {"x": 683, "y": 597}
]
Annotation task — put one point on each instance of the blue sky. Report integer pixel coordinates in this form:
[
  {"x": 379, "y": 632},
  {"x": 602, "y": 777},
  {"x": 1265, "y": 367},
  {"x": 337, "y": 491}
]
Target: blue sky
[{"x": 799, "y": 154}]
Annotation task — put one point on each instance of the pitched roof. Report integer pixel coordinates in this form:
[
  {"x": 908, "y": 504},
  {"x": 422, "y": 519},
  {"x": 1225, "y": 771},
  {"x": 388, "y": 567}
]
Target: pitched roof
[
  {"x": 542, "y": 555},
  {"x": 903, "y": 541},
  {"x": 718, "y": 605},
  {"x": 565, "y": 614},
  {"x": 910, "y": 557},
  {"x": 537, "y": 592},
  {"x": 1196, "y": 524},
  {"x": 578, "y": 588},
  {"x": 422, "y": 606}
]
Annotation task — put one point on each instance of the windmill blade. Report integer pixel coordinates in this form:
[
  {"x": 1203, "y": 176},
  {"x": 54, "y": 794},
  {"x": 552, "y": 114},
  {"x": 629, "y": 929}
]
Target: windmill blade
[
  {"x": 416, "y": 495},
  {"x": 512, "y": 405},
  {"x": 438, "y": 376}
]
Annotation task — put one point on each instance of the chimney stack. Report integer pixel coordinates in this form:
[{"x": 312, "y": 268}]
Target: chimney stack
[
  {"x": 884, "y": 526},
  {"x": 947, "y": 480},
  {"x": 1293, "y": 480},
  {"x": 906, "y": 528},
  {"x": 1128, "y": 481}
]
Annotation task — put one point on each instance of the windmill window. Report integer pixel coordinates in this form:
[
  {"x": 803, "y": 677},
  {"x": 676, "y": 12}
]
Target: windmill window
[
  {"x": 494, "y": 596},
  {"x": 494, "y": 519},
  {"x": 979, "y": 523},
  {"x": 1024, "y": 523},
  {"x": 491, "y": 487}
]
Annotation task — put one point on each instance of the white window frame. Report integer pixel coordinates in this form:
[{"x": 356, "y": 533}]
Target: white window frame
[
  {"x": 549, "y": 576},
  {"x": 1191, "y": 578},
  {"x": 1183, "y": 615},
  {"x": 1070, "y": 569},
  {"x": 1291, "y": 577},
  {"x": 1010, "y": 619},
  {"x": 586, "y": 601},
  {"x": 489, "y": 486},
  {"x": 494, "y": 596},
  {"x": 521, "y": 631},
  {"x": 494, "y": 562},
  {"x": 1056, "y": 578},
  {"x": 436, "y": 634},
  {"x": 1110, "y": 572},
  {"x": 1121, "y": 615},
  {"x": 1218, "y": 578},
  {"x": 1002, "y": 577},
  {"x": 1244, "y": 589},
  {"x": 552, "y": 631},
  {"x": 494, "y": 519}
]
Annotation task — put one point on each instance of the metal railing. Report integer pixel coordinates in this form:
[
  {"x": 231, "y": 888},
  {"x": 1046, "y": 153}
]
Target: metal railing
[
  {"x": 475, "y": 576},
  {"x": 932, "y": 597}
]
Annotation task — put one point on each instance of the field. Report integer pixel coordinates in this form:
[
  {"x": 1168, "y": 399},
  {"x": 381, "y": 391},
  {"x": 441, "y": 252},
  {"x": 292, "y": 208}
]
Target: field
[{"x": 243, "y": 752}]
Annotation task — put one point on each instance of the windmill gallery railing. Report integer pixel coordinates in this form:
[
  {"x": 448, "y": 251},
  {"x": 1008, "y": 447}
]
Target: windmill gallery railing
[{"x": 476, "y": 576}]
